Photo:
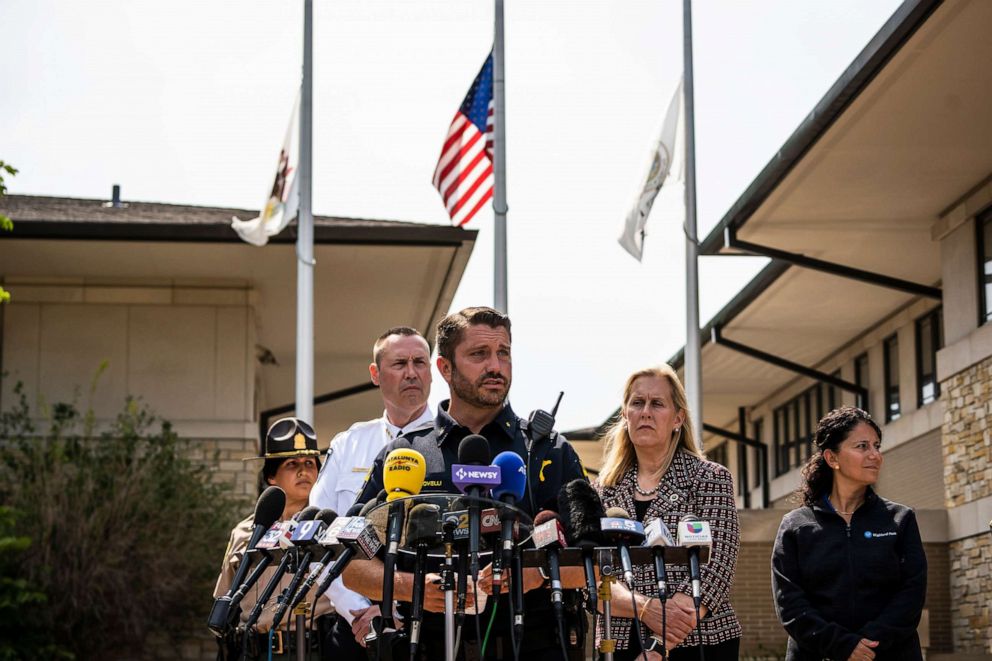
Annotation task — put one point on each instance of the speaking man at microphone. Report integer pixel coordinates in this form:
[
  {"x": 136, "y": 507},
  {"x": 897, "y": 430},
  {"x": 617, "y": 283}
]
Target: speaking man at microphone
[
  {"x": 401, "y": 369},
  {"x": 291, "y": 462},
  {"x": 474, "y": 358},
  {"x": 653, "y": 469}
]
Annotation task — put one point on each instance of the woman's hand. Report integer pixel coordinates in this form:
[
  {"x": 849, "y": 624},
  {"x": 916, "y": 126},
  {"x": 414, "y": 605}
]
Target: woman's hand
[
  {"x": 681, "y": 619},
  {"x": 864, "y": 651}
]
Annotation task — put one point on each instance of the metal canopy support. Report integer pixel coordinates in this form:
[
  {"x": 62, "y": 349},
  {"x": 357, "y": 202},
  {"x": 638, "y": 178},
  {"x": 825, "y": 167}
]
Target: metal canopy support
[
  {"x": 730, "y": 240},
  {"x": 742, "y": 457},
  {"x": 750, "y": 442},
  {"x": 267, "y": 414},
  {"x": 861, "y": 394}
]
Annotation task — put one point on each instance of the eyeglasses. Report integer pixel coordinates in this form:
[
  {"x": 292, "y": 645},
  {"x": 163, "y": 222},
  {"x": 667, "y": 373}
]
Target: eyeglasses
[{"x": 287, "y": 428}]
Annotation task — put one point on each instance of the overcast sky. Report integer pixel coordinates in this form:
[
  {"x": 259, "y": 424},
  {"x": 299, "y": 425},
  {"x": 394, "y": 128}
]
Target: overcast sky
[{"x": 187, "y": 102}]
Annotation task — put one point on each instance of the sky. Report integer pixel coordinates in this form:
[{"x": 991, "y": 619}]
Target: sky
[{"x": 187, "y": 102}]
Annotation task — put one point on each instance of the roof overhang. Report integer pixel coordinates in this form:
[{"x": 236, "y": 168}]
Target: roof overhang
[
  {"x": 369, "y": 275},
  {"x": 897, "y": 142}
]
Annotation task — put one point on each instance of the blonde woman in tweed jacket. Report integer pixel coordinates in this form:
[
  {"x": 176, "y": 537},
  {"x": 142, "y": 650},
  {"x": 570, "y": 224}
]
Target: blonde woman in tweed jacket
[{"x": 653, "y": 469}]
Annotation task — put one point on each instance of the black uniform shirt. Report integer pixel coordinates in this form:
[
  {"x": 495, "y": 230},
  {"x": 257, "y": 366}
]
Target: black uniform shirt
[{"x": 551, "y": 464}]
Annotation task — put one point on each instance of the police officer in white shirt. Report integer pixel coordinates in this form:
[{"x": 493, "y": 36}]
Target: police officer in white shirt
[{"x": 401, "y": 368}]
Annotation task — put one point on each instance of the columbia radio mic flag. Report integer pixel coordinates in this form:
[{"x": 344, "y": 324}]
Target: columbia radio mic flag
[
  {"x": 464, "y": 172},
  {"x": 403, "y": 475}
]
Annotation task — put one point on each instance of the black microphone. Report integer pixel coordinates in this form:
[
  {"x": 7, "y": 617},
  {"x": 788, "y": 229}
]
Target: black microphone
[
  {"x": 332, "y": 551},
  {"x": 582, "y": 510},
  {"x": 474, "y": 451},
  {"x": 359, "y": 538},
  {"x": 423, "y": 531},
  {"x": 623, "y": 531},
  {"x": 305, "y": 516},
  {"x": 658, "y": 537},
  {"x": 306, "y": 537},
  {"x": 268, "y": 509},
  {"x": 548, "y": 534}
]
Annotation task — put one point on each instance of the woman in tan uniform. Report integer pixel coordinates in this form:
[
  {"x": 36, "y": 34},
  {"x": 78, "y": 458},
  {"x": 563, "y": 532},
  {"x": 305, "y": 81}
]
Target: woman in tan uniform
[{"x": 291, "y": 462}]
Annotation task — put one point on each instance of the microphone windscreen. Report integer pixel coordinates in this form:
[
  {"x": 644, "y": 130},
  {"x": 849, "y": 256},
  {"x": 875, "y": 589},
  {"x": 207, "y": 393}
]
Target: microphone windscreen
[
  {"x": 617, "y": 513},
  {"x": 513, "y": 475},
  {"x": 544, "y": 516},
  {"x": 398, "y": 444},
  {"x": 355, "y": 510},
  {"x": 326, "y": 516},
  {"x": 423, "y": 524},
  {"x": 582, "y": 509},
  {"x": 368, "y": 507},
  {"x": 474, "y": 450},
  {"x": 308, "y": 513},
  {"x": 403, "y": 473},
  {"x": 269, "y": 507}
]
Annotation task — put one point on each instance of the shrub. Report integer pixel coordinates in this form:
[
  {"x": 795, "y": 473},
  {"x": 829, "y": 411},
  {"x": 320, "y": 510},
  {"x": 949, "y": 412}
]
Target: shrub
[{"x": 125, "y": 530}]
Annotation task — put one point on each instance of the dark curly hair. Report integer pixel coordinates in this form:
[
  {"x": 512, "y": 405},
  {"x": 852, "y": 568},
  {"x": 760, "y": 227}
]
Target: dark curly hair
[{"x": 831, "y": 431}]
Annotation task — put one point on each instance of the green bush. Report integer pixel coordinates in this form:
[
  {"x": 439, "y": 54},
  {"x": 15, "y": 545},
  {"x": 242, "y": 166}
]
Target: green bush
[{"x": 125, "y": 530}]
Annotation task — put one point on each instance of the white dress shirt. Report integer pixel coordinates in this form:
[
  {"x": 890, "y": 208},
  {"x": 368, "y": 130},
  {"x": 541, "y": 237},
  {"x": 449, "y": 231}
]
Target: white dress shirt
[{"x": 349, "y": 460}]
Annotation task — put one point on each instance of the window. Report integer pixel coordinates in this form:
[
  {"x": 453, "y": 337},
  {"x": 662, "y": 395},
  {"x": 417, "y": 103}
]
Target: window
[
  {"x": 795, "y": 422},
  {"x": 719, "y": 454},
  {"x": 890, "y": 349},
  {"x": 757, "y": 433},
  {"x": 929, "y": 339},
  {"x": 861, "y": 375},
  {"x": 984, "y": 226}
]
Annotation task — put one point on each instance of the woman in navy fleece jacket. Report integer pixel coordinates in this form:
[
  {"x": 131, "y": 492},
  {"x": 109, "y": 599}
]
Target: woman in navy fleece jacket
[{"x": 849, "y": 573}]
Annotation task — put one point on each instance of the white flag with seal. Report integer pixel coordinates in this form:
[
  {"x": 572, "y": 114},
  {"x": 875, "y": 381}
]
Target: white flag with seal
[
  {"x": 282, "y": 202},
  {"x": 659, "y": 167}
]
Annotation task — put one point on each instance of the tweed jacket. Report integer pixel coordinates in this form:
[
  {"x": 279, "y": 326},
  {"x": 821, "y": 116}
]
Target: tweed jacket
[{"x": 703, "y": 488}]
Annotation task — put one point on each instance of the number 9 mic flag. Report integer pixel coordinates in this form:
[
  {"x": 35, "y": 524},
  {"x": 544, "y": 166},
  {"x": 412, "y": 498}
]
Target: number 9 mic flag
[{"x": 660, "y": 165}]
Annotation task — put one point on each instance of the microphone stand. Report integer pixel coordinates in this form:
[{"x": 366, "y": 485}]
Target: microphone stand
[
  {"x": 662, "y": 577},
  {"x": 608, "y": 644},
  {"x": 301, "y": 632},
  {"x": 448, "y": 585}
]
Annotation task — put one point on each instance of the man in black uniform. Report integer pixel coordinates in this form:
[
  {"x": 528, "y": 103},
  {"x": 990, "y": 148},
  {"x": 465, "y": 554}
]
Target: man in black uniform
[{"x": 474, "y": 358}]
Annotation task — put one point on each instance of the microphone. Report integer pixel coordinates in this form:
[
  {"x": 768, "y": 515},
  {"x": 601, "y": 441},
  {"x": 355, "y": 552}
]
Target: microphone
[
  {"x": 548, "y": 534},
  {"x": 306, "y": 537},
  {"x": 582, "y": 510},
  {"x": 695, "y": 536},
  {"x": 513, "y": 481},
  {"x": 333, "y": 549},
  {"x": 471, "y": 475},
  {"x": 306, "y": 516},
  {"x": 402, "y": 475},
  {"x": 624, "y": 531},
  {"x": 657, "y": 536},
  {"x": 423, "y": 531},
  {"x": 268, "y": 509},
  {"x": 358, "y": 536}
]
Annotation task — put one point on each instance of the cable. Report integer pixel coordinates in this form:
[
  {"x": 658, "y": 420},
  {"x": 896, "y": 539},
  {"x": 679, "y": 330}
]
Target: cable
[
  {"x": 699, "y": 622},
  {"x": 637, "y": 626},
  {"x": 478, "y": 626},
  {"x": 492, "y": 618},
  {"x": 564, "y": 647}
]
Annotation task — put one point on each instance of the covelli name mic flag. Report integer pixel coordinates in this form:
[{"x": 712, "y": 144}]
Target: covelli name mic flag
[
  {"x": 282, "y": 202},
  {"x": 662, "y": 157},
  {"x": 464, "y": 172}
]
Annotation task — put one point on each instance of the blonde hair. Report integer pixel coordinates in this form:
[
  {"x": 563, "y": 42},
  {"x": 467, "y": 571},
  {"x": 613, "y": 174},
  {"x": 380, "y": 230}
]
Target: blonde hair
[{"x": 618, "y": 453}]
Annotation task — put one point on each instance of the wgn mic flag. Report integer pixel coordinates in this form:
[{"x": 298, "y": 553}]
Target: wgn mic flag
[
  {"x": 282, "y": 202},
  {"x": 662, "y": 156},
  {"x": 464, "y": 172}
]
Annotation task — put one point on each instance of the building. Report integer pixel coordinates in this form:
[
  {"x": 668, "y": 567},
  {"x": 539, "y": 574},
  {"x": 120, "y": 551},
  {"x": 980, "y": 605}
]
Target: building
[
  {"x": 182, "y": 313},
  {"x": 877, "y": 217}
]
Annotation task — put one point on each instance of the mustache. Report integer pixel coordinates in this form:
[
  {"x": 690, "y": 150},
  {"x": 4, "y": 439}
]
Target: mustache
[{"x": 496, "y": 376}]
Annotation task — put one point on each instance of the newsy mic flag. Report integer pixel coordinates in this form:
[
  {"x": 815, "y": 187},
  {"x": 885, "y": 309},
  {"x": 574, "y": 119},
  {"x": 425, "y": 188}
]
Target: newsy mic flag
[
  {"x": 662, "y": 155},
  {"x": 282, "y": 202}
]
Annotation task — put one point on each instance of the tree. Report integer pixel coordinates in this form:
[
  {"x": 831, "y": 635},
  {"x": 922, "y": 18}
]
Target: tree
[{"x": 6, "y": 224}]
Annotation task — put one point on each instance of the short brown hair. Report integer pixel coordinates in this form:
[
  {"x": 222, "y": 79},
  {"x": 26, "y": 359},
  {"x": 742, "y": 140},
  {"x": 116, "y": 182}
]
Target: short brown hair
[
  {"x": 451, "y": 329},
  {"x": 405, "y": 331}
]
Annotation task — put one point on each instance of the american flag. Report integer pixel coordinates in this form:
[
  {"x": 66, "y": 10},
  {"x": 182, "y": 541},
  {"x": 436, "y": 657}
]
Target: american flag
[{"x": 464, "y": 173}]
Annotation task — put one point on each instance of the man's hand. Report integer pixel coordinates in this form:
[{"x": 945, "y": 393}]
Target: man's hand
[
  {"x": 362, "y": 623},
  {"x": 532, "y": 580},
  {"x": 865, "y": 651},
  {"x": 434, "y": 595}
]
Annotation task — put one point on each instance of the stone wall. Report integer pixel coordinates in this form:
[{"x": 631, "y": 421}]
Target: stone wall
[{"x": 967, "y": 450}]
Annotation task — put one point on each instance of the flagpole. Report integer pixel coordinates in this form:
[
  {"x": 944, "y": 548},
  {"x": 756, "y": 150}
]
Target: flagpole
[
  {"x": 499, "y": 167},
  {"x": 304, "y": 237},
  {"x": 693, "y": 359}
]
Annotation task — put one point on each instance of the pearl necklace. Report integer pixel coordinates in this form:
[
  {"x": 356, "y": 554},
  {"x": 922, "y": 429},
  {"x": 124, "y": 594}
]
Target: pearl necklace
[{"x": 644, "y": 492}]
